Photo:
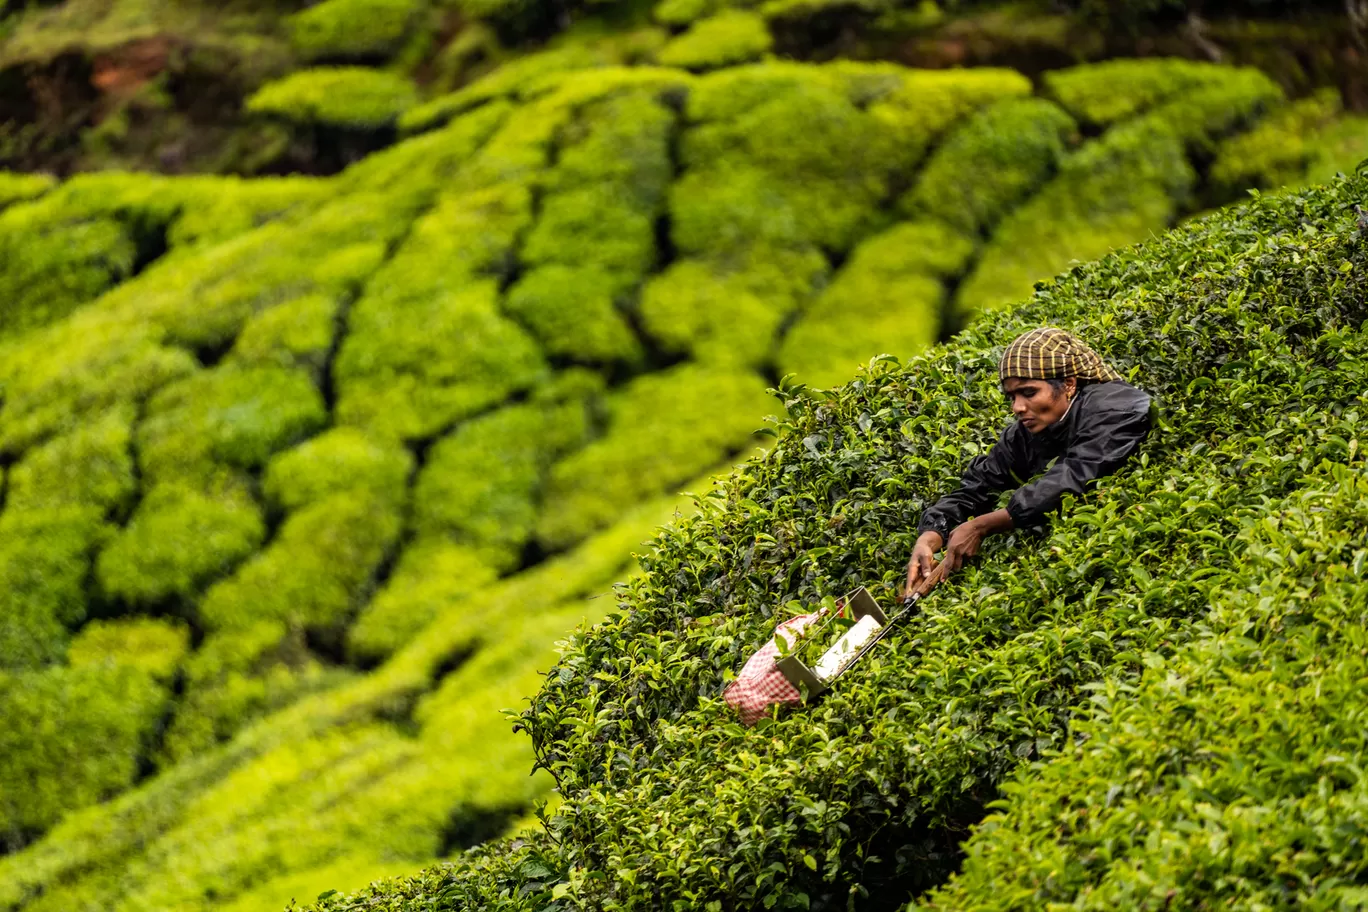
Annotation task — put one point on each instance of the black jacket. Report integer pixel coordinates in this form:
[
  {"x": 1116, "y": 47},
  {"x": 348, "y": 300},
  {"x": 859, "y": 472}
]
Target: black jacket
[{"x": 1104, "y": 426}]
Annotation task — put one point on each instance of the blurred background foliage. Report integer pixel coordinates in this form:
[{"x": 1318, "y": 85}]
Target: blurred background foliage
[{"x": 348, "y": 348}]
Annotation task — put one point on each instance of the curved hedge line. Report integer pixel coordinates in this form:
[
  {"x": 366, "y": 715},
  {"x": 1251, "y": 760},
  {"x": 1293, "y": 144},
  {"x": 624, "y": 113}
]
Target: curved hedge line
[
  {"x": 319, "y": 421},
  {"x": 1162, "y": 684}
]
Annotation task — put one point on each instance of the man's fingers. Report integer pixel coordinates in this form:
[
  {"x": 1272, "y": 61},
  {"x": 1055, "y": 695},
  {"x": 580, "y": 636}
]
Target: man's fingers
[{"x": 932, "y": 579}]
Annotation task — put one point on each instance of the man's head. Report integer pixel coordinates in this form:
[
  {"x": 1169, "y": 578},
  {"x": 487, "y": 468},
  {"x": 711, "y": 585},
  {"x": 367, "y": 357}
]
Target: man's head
[
  {"x": 1042, "y": 370},
  {"x": 1038, "y": 404}
]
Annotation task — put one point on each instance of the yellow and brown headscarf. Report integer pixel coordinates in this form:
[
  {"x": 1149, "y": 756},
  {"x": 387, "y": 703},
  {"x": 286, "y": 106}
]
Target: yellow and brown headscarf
[{"x": 1053, "y": 354}]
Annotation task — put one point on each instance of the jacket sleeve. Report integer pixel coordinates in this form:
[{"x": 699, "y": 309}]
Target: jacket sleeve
[
  {"x": 984, "y": 479},
  {"x": 1099, "y": 449}
]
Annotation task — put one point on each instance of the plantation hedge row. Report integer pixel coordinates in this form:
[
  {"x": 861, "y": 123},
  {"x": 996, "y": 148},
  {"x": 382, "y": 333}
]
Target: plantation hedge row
[
  {"x": 295, "y": 426},
  {"x": 1228, "y": 772},
  {"x": 245, "y": 796},
  {"x": 1242, "y": 509}
]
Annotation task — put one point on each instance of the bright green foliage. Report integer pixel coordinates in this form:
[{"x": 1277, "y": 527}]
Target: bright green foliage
[
  {"x": 482, "y": 484},
  {"x": 356, "y": 98},
  {"x": 61, "y": 251},
  {"x": 1108, "y": 92},
  {"x": 335, "y": 462},
  {"x": 1277, "y": 151},
  {"x": 728, "y": 312},
  {"x": 202, "y": 299},
  {"x": 726, "y": 39},
  {"x": 453, "y": 276},
  {"x": 1202, "y": 116},
  {"x": 683, "y": 12},
  {"x": 44, "y": 561},
  {"x": 154, "y": 646},
  {"x": 663, "y": 429},
  {"x": 888, "y": 298},
  {"x": 1338, "y": 148},
  {"x": 917, "y": 106},
  {"x": 454, "y": 352},
  {"x": 71, "y": 736},
  {"x": 780, "y": 156},
  {"x": 52, "y": 266},
  {"x": 425, "y": 163},
  {"x": 234, "y": 206},
  {"x": 234, "y": 416},
  {"x": 297, "y": 333},
  {"x": 237, "y": 676},
  {"x": 1114, "y": 191},
  {"x": 248, "y": 792},
  {"x": 315, "y": 572},
  {"x": 76, "y": 368},
  {"x": 433, "y": 577},
  {"x": 182, "y": 536},
  {"x": 17, "y": 188},
  {"x": 1227, "y": 773},
  {"x": 1258, "y": 313},
  {"x": 573, "y": 314},
  {"x": 91, "y": 466},
  {"x": 608, "y": 188},
  {"x": 341, "y": 29},
  {"x": 989, "y": 164},
  {"x": 522, "y": 77}
]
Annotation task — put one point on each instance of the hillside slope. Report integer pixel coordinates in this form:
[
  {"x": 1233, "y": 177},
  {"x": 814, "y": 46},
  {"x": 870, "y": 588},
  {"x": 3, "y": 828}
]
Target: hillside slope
[
  {"x": 303, "y": 476},
  {"x": 1165, "y": 685},
  {"x": 309, "y": 86}
]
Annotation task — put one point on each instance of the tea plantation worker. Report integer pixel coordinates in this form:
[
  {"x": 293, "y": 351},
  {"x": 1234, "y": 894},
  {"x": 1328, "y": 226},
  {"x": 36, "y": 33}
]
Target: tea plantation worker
[{"x": 1076, "y": 421}]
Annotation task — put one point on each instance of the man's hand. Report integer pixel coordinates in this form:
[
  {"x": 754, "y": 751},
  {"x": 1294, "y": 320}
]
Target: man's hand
[
  {"x": 923, "y": 560},
  {"x": 964, "y": 544}
]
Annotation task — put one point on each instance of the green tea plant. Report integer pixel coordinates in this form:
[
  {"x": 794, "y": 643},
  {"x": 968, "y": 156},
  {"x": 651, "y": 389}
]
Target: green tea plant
[
  {"x": 865, "y": 797},
  {"x": 726, "y": 39},
  {"x": 355, "y": 97},
  {"x": 373, "y": 439},
  {"x": 350, "y": 29}
]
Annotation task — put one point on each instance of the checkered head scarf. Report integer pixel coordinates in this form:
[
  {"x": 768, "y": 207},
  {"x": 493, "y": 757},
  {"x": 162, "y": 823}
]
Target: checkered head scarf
[{"x": 1053, "y": 354}]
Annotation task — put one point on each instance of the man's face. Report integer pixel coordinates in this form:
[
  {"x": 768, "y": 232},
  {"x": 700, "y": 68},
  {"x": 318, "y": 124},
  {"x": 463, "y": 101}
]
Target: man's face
[{"x": 1036, "y": 403}]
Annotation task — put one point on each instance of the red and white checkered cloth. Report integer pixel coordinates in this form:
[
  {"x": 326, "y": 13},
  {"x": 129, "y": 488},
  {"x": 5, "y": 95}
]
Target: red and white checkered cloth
[{"x": 761, "y": 684}]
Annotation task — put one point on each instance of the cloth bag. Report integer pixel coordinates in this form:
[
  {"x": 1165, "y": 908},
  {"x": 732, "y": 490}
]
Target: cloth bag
[{"x": 761, "y": 684}]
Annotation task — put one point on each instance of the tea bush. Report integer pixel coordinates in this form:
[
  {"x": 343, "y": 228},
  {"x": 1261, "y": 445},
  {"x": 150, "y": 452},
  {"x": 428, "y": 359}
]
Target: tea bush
[
  {"x": 315, "y": 572},
  {"x": 358, "y": 98},
  {"x": 1278, "y": 150},
  {"x": 1224, "y": 773},
  {"x": 180, "y": 538},
  {"x": 90, "y": 466},
  {"x": 573, "y": 314},
  {"x": 1115, "y": 190},
  {"x": 663, "y": 428},
  {"x": 335, "y": 462},
  {"x": 482, "y": 484},
  {"x": 52, "y": 722},
  {"x": 17, "y": 188},
  {"x": 229, "y": 416},
  {"x": 298, "y": 333},
  {"x": 887, "y": 298},
  {"x": 985, "y": 167},
  {"x": 431, "y": 576},
  {"x": 44, "y": 561},
  {"x": 779, "y": 155},
  {"x": 316, "y": 419},
  {"x": 154, "y": 646},
  {"x": 730, "y": 310},
  {"x": 349, "y": 29},
  {"x": 726, "y": 39},
  {"x": 1106, "y": 93}
]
